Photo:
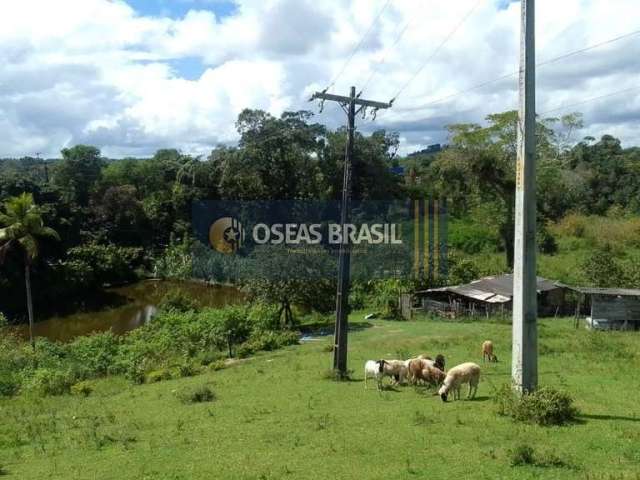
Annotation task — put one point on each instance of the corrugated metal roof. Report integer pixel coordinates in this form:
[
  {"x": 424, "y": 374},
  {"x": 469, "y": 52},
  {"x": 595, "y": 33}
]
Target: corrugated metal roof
[
  {"x": 497, "y": 289},
  {"x": 619, "y": 292}
]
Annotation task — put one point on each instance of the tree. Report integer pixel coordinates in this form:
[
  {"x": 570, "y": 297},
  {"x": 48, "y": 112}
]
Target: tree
[
  {"x": 22, "y": 228},
  {"x": 78, "y": 172},
  {"x": 481, "y": 160}
]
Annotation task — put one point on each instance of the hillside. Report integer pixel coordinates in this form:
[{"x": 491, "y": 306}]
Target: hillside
[{"x": 277, "y": 416}]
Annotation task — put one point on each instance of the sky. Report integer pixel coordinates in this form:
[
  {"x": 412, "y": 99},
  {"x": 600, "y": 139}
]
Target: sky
[{"x": 134, "y": 76}]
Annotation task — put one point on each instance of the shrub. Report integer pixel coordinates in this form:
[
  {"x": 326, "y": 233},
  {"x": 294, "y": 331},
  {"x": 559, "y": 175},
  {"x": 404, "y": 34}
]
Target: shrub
[
  {"x": 522, "y": 455},
  {"x": 245, "y": 350},
  {"x": 268, "y": 341},
  {"x": 83, "y": 389},
  {"x": 177, "y": 300},
  {"x": 217, "y": 365},
  {"x": 159, "y": 375},
  {"x": 545, "y": 406},
  {"x": 209, "y": 357},
  {"x": 9, "y": 384},
  {"x": 95, "y": 353},
  {"x": 185, "y": 369},
  {"x": 601, "y": 269},
  {"x": 546, "y": 242},
  {"x": 265, "y": 316},
  {"x": 198, "y": 394},
  {"x": 46, "y": 382},
  {"x": 4, "y": 322}
]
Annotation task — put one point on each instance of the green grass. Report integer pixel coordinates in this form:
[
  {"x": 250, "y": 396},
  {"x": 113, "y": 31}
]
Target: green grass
[{"x": 275, "y": 416}]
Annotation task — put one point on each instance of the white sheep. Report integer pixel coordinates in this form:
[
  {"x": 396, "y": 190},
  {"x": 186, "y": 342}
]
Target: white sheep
[
  {"x": 379, "y": 369},
  {"x": 373, "y": 368},
  {"x": 464, "y": 373}
]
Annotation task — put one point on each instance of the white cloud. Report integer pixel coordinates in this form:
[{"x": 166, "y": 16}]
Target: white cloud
[{"x": 97, "y": 71}]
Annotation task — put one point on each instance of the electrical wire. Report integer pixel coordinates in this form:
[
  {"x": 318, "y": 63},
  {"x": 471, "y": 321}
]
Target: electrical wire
[
  {"x": 589, "y": 100},
  {"x": 437, "y": 50},
  {"x": 358, "y": 46},
  {"x": 515, "y": 73}
]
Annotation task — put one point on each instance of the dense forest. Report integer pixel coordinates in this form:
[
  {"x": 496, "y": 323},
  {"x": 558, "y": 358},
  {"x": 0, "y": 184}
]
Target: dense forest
[{"x": 112, "y": 221}]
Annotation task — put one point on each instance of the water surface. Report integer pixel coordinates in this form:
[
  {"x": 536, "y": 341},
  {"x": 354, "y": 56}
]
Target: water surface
[{"x": 128, "y": 308}]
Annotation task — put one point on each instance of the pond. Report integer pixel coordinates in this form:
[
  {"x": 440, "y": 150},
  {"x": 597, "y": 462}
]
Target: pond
[{"x": 128, "y": 308}]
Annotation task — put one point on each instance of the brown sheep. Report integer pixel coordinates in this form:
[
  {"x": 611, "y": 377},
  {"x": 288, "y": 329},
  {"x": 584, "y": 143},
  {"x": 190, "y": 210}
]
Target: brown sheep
[
  {"x": 433, "y": 375},
  {"x": 487, "y": 351}
]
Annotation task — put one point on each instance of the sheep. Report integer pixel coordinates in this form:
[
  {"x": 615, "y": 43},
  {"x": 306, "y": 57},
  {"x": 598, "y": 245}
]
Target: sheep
[
  {"x": 396, "y": 369},
  {"x": 424, "y": 368},
  {"x": 439, "y": 363},
  {"x": 384, "y": 368},
  {"x": 487, "y": 351},
  {"x": 415, "y": 366},
  {"x": 464, "y": 373},
  {"x": 373, "y": 368},
  {"x": 429, "y": 374}
]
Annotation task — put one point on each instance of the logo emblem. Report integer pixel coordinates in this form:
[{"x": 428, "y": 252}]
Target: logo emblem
[{"x": 226, "y": 235}]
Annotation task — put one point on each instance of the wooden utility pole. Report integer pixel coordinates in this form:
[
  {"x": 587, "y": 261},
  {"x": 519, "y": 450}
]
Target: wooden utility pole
[
  {"x": 344, "y": 262},
  {"x": 525, "y": 297}
]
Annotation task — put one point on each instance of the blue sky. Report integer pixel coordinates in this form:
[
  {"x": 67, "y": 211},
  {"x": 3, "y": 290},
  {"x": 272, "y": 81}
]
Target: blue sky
[
  {"x": 178, "y": 8},
  {"x": 189, "y": 68}
]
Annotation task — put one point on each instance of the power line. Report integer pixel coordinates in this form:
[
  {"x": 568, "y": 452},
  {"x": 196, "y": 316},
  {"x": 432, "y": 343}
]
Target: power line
[
  {"x": 358, "y": 46},
  {"x": 589, "y": 100},
  {"x": 513, "y": 74},
  {"x": 384, "y": 58},
  {"x": 437, "y": 50}
]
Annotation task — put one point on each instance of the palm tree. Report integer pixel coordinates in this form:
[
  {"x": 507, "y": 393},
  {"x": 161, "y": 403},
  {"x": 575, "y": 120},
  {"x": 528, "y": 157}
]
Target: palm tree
[{"x": 23, "y": 226}]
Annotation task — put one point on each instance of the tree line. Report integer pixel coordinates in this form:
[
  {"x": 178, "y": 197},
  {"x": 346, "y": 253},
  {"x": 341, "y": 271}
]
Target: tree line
[{"x": 111, "y": 221}]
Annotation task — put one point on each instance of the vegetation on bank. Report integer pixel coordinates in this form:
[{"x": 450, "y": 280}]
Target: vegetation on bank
[
  {"x": 179, "y": 342},
  {"x": 299, "y": 425}
]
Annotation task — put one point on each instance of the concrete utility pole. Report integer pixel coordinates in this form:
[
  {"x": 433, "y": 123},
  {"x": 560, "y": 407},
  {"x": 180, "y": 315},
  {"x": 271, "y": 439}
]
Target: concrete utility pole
[
  {"x": 344, "y": 263},
  {"x": 525, "y": 297}
]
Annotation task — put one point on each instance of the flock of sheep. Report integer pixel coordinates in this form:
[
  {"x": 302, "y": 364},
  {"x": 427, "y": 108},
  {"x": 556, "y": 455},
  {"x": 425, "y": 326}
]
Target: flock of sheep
[{"x": 424, "y": 369}]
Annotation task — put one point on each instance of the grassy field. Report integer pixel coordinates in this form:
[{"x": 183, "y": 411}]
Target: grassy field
[{"x": 277, "y": 416}]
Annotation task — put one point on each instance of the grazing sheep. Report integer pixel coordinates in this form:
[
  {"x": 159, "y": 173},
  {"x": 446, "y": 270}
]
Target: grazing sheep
[
  {"x": 429, "y": 374},
  {"x": 464, "y": 373},
  {"x": 487, "y": 351},
  {"x": 415, "y": 366},
  {"x": 396, "y": 369},
  {"x": 439, "y": 363},
  {"x": 384, "y": 368},
  {"x": 373, "y": 368}
]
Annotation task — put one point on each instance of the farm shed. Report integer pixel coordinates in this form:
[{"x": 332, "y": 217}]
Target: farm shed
[
  {"x": 609, "y": 308},
  {"x": 489, "y": 296}
]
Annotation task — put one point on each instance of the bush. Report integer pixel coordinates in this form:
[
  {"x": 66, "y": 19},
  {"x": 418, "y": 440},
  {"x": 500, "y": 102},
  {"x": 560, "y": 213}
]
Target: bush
[
  {"x": 185, "y": 369},
  {"x": 522, "y": 455},
  {"x": 83, "y": 389},
  {"x": 95, "y": 353},
  {"x": 545, "y": 406},
  {"x": 217, "y": 365},
  {"x": 177, "y": 300},
  {"x": 196, "y": 394},
  {"x": 546, "y": 242},
  {"x": 108, "y": 264},
  {"x": 265, "y": 316},
  {"x": 245, "y": 350},
  {"x": 46, "y": 382},
  {"x": 472, "y": 238},
  {"x": 159, "y": 375},
  {"x": 9, "y": 384},
  {"x": 4, "y": 322}
]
